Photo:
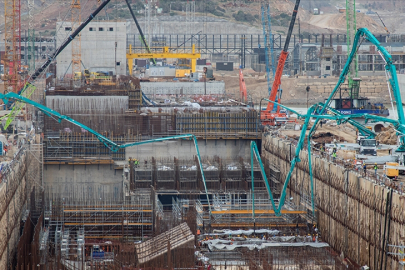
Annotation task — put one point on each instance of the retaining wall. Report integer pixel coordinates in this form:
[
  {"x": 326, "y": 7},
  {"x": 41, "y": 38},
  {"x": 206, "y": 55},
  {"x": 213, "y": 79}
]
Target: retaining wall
[
  {"x": 352, "y": 211},
  {"x": 370, "y": 85},
  {"x": 17, "y": 179}
]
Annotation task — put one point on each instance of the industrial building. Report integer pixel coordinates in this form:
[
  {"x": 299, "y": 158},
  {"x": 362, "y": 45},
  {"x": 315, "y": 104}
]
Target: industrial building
[{"x": 103, "y": 47}]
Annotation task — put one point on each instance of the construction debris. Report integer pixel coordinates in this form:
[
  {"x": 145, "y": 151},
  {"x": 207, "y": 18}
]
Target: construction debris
[
  {"x": 158, "y": 248},
  {"x": 387, "y": 136}
]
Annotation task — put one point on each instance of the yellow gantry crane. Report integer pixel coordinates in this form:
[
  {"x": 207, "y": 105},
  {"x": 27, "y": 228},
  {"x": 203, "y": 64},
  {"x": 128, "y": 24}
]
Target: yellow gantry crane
[{"x": 164, "y": 52}]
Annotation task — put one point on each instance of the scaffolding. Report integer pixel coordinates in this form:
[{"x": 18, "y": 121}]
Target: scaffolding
[
  {"x": 122, "y": 115},
  {"x": 235, "y": 210},
  {"x": 277, "y": 258},
  {"x": 130, "y": 219},
  {"x": 85, "y": 149}
]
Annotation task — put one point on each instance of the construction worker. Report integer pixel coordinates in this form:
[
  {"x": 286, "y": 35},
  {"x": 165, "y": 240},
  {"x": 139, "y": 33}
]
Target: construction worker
[
  {"x": 136, "y": 162},
  {"x": 364, "y": 168},
  {"x": 375, "y": 168},
  {"x": 334, "y": 145},
  {"x": 334, "y": 156}
]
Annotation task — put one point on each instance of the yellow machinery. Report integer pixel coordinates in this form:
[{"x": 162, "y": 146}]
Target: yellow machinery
[
  {"x": 391, "y": 169},
  {"x": 99, "y": 77},
  {"x": 164, "y": 52}
]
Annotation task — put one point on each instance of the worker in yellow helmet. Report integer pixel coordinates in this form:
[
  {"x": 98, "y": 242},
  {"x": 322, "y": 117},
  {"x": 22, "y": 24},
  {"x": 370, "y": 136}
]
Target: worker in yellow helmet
[{"x": 375, "y": 168}]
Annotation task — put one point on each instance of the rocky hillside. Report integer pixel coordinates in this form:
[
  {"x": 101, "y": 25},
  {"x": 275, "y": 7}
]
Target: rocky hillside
[{"x": 47, "y": 12}]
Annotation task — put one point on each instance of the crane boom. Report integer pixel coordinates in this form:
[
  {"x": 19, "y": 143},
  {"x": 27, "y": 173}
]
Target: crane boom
[
  {"x": 385, "y": 27},
  {"x": 140, "y": 31},
  {"x": 268, "y": 43},
  {"x": 399, "y": 125},
  {"x": 113, "y": 146},
  {"x": 267, "y": 115},
  {"x": 65, "y": 43},
  {"x": 29, "y": 84},
  {"x": 351, "y": 27}
]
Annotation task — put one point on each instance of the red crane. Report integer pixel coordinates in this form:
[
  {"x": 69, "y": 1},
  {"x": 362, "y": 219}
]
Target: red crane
[
  {"x": 268, "y": 117},
  {"x": 12, "y": 40},
  {"x": 242, "y": 87}
]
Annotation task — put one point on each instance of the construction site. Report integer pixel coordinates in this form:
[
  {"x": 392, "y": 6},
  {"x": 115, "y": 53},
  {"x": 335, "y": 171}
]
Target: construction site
[{"x": 130, "y": 145}]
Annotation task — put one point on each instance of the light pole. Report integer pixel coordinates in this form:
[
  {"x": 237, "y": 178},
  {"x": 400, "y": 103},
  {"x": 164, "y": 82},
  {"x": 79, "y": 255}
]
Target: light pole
[
  {"x": 205, "y": 80},
  {"x": 308, "y": 88}
]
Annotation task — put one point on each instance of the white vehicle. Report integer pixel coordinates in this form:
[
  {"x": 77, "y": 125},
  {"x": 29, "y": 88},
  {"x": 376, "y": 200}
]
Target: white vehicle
[{"x": 368, "y": 147}]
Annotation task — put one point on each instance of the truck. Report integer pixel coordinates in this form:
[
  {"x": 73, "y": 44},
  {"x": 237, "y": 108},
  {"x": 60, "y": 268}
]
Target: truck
[{"x": 368, "y": 146}]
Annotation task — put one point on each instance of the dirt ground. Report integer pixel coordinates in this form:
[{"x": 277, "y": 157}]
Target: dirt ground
[
  {"x": 256, "y": 85},
  {"x": 337, "y": 22},
  {"x": 343, "y": 132}
]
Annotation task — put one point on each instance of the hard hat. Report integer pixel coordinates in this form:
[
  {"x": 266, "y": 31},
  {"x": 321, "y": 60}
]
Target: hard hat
[{"x": 375, "y": 163}]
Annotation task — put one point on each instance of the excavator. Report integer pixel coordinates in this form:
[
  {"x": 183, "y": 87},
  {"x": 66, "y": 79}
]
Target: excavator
[{"x": 269, "y": 116}]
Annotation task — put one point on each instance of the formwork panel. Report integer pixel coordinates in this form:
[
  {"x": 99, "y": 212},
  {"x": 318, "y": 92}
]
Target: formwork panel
[{"x": 188, "y": 180}]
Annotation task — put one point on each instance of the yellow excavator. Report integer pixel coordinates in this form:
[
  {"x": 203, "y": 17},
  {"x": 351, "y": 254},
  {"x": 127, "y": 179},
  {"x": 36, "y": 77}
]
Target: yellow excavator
[{"x": 98, "y": 77}]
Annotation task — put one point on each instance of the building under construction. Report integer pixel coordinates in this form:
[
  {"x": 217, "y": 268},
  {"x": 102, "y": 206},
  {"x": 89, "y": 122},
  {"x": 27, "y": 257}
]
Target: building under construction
[
  {"x": 121, "y": 166},
  {"x": 89, "y": 205}
]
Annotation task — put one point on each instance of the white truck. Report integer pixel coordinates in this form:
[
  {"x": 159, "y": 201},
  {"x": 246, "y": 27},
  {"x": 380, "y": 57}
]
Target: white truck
[{"x": 368, "y": 147}]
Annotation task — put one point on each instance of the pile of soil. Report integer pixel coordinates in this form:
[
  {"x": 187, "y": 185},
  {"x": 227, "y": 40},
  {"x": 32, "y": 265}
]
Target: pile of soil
[
  {"x": 387, "y": 136},
  {"x": 326, "y": 137}
]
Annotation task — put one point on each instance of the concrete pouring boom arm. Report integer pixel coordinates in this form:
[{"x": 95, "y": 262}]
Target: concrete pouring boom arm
[
  {"x": 400, "y": 124},
  {"x": 11, "y": 97}
]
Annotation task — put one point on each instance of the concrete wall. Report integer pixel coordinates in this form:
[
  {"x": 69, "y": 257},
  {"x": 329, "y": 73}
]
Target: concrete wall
[
  {"x": 101, "y": 50},
  {"x": 184, "y": 149},
  {"x": 351, "y": 210},
  {"x": 15, "y": 187},
  {"x": 82, "y": 182},
  {"x": 369, "y": 86},
  {"x": 182, "y": 88},
  {"x": 92, "y": 182},
  {"x": 87, "y": 104}
]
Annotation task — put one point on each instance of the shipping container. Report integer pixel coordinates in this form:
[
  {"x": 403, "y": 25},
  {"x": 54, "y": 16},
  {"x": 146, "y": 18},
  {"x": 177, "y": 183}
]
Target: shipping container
[{"x": 228, "y": 66}]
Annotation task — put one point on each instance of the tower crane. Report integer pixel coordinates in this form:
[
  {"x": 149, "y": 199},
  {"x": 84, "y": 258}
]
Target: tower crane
[
  {"x": 12, "y": 42},
  {"x": 76, "y": 43},
  {"x": 268, "y": 42},
  {"x": 351, "y": 31},
  {"x": 31, "y": 37},
  {"x": 29, "y": 87},
  {"x": 268, "y": 117}
]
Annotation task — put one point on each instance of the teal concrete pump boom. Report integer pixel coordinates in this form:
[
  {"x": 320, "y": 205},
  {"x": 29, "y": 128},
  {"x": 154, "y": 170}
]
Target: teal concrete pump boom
[
  {"x": 361, "y": 33},
  {"x": 390, "y": 69},
  {"x": 12, "y": 97}
]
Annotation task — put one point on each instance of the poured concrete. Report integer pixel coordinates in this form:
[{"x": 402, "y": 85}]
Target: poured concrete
[
  {"x": 184, "y": 149},
  {"x": 83, "y": 182}
]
